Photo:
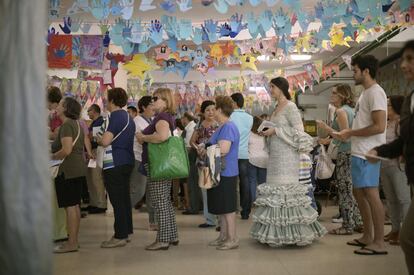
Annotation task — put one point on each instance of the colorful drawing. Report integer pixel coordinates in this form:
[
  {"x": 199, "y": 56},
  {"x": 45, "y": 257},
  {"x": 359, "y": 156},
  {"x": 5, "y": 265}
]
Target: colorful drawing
[
  {"x": 76, "y": 48},
  {"x": 91, "y": 53},
  {"x": 59, "y": 52}
]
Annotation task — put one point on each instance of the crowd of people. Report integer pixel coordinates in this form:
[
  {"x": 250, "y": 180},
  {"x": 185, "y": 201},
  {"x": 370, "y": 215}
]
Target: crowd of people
[{"x": 263, "y": 165}]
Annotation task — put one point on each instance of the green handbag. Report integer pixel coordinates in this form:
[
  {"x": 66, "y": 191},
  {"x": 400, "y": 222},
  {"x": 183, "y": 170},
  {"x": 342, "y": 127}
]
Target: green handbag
[{"x": 168, "y": 160}]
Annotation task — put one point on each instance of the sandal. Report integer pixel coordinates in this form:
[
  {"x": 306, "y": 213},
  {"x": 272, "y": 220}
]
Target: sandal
[
  {"x": 369, "y": 252},
  {"x": 341, "y": 231},
  {"x": 356, "y": 242}
]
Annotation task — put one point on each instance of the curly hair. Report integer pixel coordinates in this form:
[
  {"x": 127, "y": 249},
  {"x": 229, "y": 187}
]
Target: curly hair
[{"x": 344, "y": 91}]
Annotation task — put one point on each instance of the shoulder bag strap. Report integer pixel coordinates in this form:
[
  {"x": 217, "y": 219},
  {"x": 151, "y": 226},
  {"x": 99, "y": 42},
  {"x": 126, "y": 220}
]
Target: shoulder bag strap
[
  {"x": 77, "y": 137},
  {"x": 122, "y": 129}
]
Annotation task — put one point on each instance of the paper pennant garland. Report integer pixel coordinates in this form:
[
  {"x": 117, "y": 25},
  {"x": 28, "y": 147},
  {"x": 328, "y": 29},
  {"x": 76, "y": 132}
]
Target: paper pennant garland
[{"x": 347, "y": 59}]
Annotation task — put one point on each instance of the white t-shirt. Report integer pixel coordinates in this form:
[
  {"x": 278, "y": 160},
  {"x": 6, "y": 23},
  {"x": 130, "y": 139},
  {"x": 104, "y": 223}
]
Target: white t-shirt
[
  {"x": 258, "y": 156},
  {"x": 372, "y": 99},
  {"x": 140, "y": 124},
  {"x": 189, "y": 130}
]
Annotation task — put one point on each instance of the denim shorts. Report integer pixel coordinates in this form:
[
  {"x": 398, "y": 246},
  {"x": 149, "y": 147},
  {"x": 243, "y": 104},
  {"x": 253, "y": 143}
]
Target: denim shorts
[{"x": 364, "y": 173}]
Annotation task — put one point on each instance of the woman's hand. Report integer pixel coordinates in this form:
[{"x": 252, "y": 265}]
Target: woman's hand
[
  {"x": 269, "y": 132},
  {"x": 201, "y": 151},
  {"x": 140, "y": 137},
  {"x": 321, "y": 124},
  {"x": 324, "y": 141},
  {"x": 91, "y": 155}
]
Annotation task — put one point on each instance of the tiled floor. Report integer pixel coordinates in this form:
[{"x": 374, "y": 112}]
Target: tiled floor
[{"x": 328, "y": 256}]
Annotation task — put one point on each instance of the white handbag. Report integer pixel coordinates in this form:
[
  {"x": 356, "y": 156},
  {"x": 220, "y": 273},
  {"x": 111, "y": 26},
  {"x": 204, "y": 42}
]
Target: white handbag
[
  {"x": 324, "y": 167},
  {"x": 332, "y": 150}
]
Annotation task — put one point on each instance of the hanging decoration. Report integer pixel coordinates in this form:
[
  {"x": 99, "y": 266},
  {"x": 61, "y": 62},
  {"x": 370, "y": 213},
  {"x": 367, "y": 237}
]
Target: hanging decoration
[
  {"x": 59, "y": 52},
  {"x": 91, "y": 52},
  {"x": 138, "y": 66}
]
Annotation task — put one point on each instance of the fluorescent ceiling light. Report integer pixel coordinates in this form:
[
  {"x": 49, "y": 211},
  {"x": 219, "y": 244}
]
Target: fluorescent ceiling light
[{"x": 300, "y": 57}]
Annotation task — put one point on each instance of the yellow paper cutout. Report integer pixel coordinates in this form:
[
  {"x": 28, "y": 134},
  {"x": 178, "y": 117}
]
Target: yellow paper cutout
[
  {"x": 302, "y": 43},
  {"x": 139, "y": 65},
  {"x": 216, "y": 52},
  {"x": 337, "y": 36},
  {"x": 248, "y": 61}
]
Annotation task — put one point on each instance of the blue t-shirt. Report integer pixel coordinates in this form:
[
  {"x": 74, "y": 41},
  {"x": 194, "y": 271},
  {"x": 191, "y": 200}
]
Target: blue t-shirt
[
  {"x": 228, "y": 131},
  {"x": 244, "y": 123},
  {"x": 123, "y": 145}
]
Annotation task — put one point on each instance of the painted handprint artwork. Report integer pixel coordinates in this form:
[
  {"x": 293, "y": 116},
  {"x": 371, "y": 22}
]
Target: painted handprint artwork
[
  {"x": 59, "y": 52},
  {"x": 91, "y": 53}
]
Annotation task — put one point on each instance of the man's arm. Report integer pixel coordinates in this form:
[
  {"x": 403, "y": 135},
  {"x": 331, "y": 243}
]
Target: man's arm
[{"x": 379, "y": 119}]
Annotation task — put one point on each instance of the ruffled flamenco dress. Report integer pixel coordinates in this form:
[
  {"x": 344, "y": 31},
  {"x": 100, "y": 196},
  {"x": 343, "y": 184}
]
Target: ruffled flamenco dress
[{"x": 283, "y": 213}]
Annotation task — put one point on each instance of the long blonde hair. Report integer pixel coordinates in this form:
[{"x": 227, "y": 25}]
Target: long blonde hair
[{"x": 167, "y": 95}]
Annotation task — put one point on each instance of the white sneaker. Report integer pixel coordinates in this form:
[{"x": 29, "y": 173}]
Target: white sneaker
[{"x": 114, "y": 243}]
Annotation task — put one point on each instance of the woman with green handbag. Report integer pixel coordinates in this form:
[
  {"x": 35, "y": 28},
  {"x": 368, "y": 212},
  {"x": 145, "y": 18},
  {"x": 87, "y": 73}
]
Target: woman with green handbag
[{"x": 159, "y": 190}]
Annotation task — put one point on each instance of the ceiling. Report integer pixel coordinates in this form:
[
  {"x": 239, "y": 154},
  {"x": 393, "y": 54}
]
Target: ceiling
[{"x": 199, "y": 13}]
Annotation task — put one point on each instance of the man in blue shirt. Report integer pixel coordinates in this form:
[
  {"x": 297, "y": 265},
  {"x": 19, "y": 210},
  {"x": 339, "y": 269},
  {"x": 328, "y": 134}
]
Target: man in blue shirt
[{"x": 244, "y": 123}]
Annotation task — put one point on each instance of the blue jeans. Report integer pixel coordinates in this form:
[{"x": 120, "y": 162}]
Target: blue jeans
[
  {"x": 210, "y": 218},
  {"x": 256, "y": 176}
]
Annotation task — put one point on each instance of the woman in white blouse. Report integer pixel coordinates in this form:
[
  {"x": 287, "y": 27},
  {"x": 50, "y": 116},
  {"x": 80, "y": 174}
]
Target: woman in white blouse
[{"x": 258, "y": 158}]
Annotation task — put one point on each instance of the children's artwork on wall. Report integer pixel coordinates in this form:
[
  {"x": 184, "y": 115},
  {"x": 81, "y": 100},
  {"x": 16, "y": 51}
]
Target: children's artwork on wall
[
  {"x": 59, "y": 52},
  {"x": 134, "y": 89},
  {"x": 76, "y": 48},
  {"x": 91, "y": 52},
  {"x": 54, "y": 7}
]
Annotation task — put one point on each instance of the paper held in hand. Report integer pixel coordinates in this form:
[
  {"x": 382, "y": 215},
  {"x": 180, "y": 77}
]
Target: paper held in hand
[
  {"x": 265, "y": 125},
  {"x": 369, "y": 156}
]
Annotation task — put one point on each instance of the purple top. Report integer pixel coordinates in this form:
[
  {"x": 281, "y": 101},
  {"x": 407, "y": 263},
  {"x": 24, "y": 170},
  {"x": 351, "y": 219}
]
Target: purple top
[{"x": 151, "y": 129}]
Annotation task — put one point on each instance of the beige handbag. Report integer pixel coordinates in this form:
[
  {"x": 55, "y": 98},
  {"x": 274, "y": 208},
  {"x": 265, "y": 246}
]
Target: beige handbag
[{"x": 204, "y": 178}]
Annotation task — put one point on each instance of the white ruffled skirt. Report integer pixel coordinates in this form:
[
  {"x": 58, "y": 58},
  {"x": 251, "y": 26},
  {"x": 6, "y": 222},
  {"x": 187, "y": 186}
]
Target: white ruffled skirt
[{"x": 284, "y": 216}]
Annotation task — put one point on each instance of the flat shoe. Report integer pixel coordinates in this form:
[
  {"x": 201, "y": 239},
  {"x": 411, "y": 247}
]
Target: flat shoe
[
  {"x": 158, "y": 246},
  {"x": 355, "y": 242},
  {"x": 369, "y": 252},
  {"x": 206, "y": 225},
  {"x": 175, "y": 243},
  {"x": 341, "y": 231},
  {"x": 113, "y": 242},
  {"x": 217, "y": 242},
  {"x": 228, "y": 245},
  {"x": 63, "y": 249}
]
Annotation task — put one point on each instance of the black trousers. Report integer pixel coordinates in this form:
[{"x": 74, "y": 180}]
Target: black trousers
[
  {"x": 245, "y": 193},
  {"x": 192, "y": 182},
  {"x": 117, "y": 185}
]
